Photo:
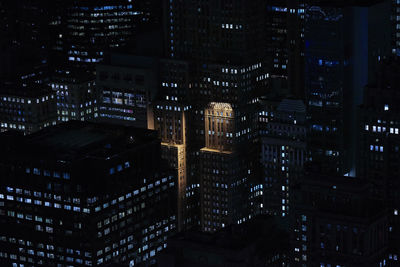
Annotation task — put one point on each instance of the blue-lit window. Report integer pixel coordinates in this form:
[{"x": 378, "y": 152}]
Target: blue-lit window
[
  {"x": 112, "y": 171},
  {"x": 316, "y": 127},
  {"x": 36, "y": 171},
  {"x": 56, "y": 174},
  {"x": 66, "y": 176}
]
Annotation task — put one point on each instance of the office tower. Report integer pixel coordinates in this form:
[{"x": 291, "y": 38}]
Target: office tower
[
  {"x": 84, "y": 195},
  {"x": 337, "y": 222},
  {"x": 380, "y": 142},
  {"x": 220, "y": 48},
  {"x": 81, "y": 33},
  {"x": 336, "y": 60},
  {"x": 172, "y": 120},
  {"x": 126, "y": 85},
  {"x": 259, "y": 242},
  {"x": 285, "y": 33},
  {"x": 24, "y": 42},
  {"x": 76, "y": 95},
  {"x": 224, "y": 46},
  {"x": 222, "y": 186},
  {"x": 27, "y": 109},
  {"x": 87, "y": 28},
  {"x": 282, "y": 132}
]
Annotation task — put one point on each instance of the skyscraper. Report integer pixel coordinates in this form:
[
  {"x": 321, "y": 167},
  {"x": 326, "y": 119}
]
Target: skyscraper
[
  {"x": 285, "y": 46},
  {"x": 336, "y": 63},
  {"x": 282, "y": 133},
  {"x": 220, "y": 46},
  {"x": 86, "y": 29},
  {"x": 380, "y": 143}
]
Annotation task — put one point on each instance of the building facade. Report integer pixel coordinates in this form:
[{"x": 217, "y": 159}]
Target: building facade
[
  {"x": 126, "y": 86},
  {"x": 283, "y": 152},
  {"x": 337, "y": 222},
  {"x": 84, "y": 195},
  {"x": 379, "y": 145},
  {"x": 27, "y": 110}
]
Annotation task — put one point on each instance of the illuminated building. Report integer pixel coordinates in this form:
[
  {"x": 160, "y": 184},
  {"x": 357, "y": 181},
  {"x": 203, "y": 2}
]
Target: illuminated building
[
  {"x": 27, "y": 110},
  {"x": 172, "y": 118},
  {"x": 217, "y": 53},
  {"x": 282, "y": 131},
  {"x": 84, "y": 195},
  {"x": 337, "y": 221},
  {"x": 126, "y": 85},
  {"x": 379, "y": 145},
  {"x": 170, "y": 121},
  {"x": 223, "y": 185}
]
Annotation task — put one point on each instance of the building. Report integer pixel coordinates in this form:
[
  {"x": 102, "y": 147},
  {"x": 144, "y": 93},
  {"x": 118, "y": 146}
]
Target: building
[
  {"x": 337, "y": 222},
  {"x": 282, "y": 131},
  {"x": 379, "y": 143},
  {"x": 27, "y": 110},
  {"x": 76, "y": 95},
  {"x": 83, "y": 194},
  {"x": 170, "y": 121},
  {"x": 395, "y": 26},
  {"x": 285, "y": 33},
  {"x": 24, "y": 43},
  {"x": 216, "y": 56},
  {"x": 336, "y": 64},
  {"x": 86, "y": 29},
  {"x": 126, "y": 86},
  {"x": 223, "y": 188},
  {"x": 258, "y": 242}
]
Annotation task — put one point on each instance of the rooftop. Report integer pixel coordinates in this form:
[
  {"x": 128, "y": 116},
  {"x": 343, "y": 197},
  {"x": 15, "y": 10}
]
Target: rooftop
[{"x": 75, "y": 139}]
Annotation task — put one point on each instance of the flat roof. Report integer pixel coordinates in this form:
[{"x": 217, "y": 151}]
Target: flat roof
[{"x": 76, "y": 139}]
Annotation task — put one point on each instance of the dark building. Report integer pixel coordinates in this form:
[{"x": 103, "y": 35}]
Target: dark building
[
  {"x": 336, "y": 63},
  {"x": 86, "y": 29},
  {"x": 127, "y": 84},
  {"x": 259, "y": 242},
  {"x": 379, "y": 144},
  {"x": 337, "y": 222},
  {"x": 395, "y": 26},
  {"x": 282, "y": 131},
  {"x": 27, "y": 109},
  {"x": 81, "y": 194},
  {"x": 285, "y": 35},
  {"x": 24, "y": 42}
]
